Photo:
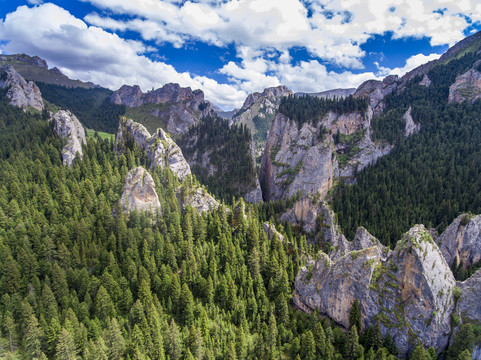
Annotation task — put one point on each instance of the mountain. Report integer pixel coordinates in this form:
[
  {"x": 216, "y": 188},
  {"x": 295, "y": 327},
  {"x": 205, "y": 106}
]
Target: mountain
[
  {"x": 258, "y": 111},
  {"x": 36, "y": 69},
  {"x": 329, "y": 94}
]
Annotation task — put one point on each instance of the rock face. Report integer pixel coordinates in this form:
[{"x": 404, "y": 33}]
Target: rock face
[
  {"x": 461, "y": 241},
  {"x": 180, "y": 108},
  {"x": 411, "y": 127},
  {"x": 425, "y": 81},
  {"x": 21, "y": 93},
  {"x": 160, "y": 149},
  {"x": 468, "y": 305},
  {"x": 67, "y": 126},
  {"x": 258, "y": 112},
  {"x": 198, "y": 199},
  {"x": 408, "y": 290},
  {"x": 271, "y": 231},
  {"x": 467, "y": 87},
  {"x": 139, "y": 192},
  {"x": 377, "y": 90},
  {"x": 303, "y": 159}
]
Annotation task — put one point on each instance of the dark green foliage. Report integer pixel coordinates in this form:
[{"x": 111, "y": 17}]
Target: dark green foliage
[
  {"x": 89, "y": 105},
  {"x": 355, "y": 315},
  {"x": 429, "y": 178},
  {"x": 464, "y": 340},
  {"x": 229, "y": 149},
  {"x": 309, "y": 108}
]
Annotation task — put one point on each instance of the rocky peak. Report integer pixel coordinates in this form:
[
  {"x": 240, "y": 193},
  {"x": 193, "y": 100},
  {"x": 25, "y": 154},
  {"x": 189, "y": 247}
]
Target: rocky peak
[
  {"x": 159, "y": 148},
  {"x": 31, "y": 60},
  {"x": 461, "y": 241},
  {"x": 139, "y": 192},
  {"x": 270, "y": 93},
  {"x": 68, "y": 127},
  {"x": 179, "y": 107},
  {"x": 376, "y": 91},
  {"x": 21, "y": 93},
  {"x": 408, "y": 290}
]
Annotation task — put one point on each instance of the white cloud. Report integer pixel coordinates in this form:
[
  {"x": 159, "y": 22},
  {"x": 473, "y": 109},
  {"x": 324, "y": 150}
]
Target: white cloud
[
  {"x": 35, "y": 2},
  {"x": 411, "y": 63},
  {"x": 92, "y": 54}
]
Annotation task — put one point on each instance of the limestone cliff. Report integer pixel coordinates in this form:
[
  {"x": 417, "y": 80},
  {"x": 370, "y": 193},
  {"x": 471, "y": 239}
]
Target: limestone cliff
[
  {"x": 177, "y": 107},
  {"x": 306, "y": 159},
  {"x": 68, "y": 127},
  {"x": 258, "y": 111},
  {"x": 461, "y": 241},
  {"x": 139, "y": 192},
  {"x": 468, "y": 306},
  {"x": 20, "y": 93},
  {"x": 467, "y": 86},
  {"x": 159, "y": 148},
  {"x": 408, "y": 290}
]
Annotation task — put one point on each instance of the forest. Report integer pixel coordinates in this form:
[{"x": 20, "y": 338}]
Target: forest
[
  {"x": 77, "y": 282},
  {"x": 429, "y": 178}
]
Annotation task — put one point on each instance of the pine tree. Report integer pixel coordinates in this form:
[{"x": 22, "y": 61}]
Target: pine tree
[
  {"x": 355, "y": 315},
  {"x": 65, "y": 349},
  {"x": 32, "y": 338},
  {"x": 115, "y": 342},
  {"x": 174, "y": 349},
  {"x": 354, "y": 351}
]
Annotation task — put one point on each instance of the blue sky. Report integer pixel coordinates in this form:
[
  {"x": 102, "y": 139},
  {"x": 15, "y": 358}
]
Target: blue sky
[{"x": 231, "y": 48}]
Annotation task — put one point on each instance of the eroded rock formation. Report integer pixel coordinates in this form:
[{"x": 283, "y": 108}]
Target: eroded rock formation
[
  {"x": 467, "y": 86},
  {"x": 139, "y": 192},
  {"x": 160, "y": 149},
  {"x": 67, "y": 126},
  {"x": 20, "y": 93}
]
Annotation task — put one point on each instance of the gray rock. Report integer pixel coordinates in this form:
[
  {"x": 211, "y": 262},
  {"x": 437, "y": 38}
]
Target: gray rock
[
  {"x": 67, "y": 126},
  {"x": 425, "y": 81},
  {"x": 467, "y": 87},
  {"x": 468, "y": 306},
  {"x": 160, "y": 149},
  {"x": 376, "y": 91},
  {"x": 271, "y": 231},
  {"x": 301, "y": 159},
  {"x": 411, "y": 127},
  {"x": 21, "y": 93},
  {"x": 409, "y": 290},
  {"x": 180, "y": 108},
  {"x": 198, "y": 199},
  {"x": 139, "y": 192},
  {"x": 461, "y": 241}
]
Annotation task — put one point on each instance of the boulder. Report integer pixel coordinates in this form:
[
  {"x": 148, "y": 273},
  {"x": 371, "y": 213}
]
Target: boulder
[
  {"x": 139, "y": 192},
  {"x": 67, "y": 126},
  {"x": 20, "y": 93}
]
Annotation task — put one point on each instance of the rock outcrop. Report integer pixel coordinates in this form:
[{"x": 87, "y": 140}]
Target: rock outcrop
[
  {"x": 461, "y": 241},
  {"x": 20, "y": 93},
  {"x": 271, "y": 231},
  {"x": 425, "y": 81},
  {"x": 159, "y": 148},
  {"x": 376, "y": 91},
  {"x": 410, "y": 126},
  {"x": 302, "y": 159},
  {"x": 408, "y": 290},
  {"x": 67, "y": 126},
  {"x": 467, "y": 86},
  {"x": 179, "y": 108},
  {"x": 258, "y": 111},
  {"x": 330, "y": 94},
  {"x": 139, "y": 192},
  {"x": 468, "y": 306},
  {"x": 198, "y": 199}
]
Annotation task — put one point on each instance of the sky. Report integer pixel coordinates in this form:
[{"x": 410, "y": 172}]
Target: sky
[{"x": 230, "y": 48}]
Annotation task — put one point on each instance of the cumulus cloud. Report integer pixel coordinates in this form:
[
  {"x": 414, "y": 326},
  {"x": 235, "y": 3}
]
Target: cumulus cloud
[
  {"x": 92, "y": 54},
  {"x": 411, "y": 63}
]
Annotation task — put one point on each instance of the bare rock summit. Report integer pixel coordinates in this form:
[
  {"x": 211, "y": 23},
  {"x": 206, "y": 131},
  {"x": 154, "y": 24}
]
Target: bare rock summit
[{"x": 67, "y": 126}]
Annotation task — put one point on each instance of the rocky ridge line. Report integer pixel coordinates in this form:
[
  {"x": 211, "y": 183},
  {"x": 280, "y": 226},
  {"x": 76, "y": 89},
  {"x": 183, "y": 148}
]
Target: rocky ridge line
[{"x": 22, "y": 94}]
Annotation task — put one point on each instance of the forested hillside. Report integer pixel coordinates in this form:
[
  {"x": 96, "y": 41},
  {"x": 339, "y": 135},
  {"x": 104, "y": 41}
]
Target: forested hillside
[
  {"x": 89, "y": 105},
  {"x": 428, "y": 178}
]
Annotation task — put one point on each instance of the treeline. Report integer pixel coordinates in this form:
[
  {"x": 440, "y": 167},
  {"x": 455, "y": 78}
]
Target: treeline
[
  {"x": 429, "y": 178},
  {"x": 90, "y": 105},
  {"x": 310, "y": 108},
  {"x": 228, "y": 149}
]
